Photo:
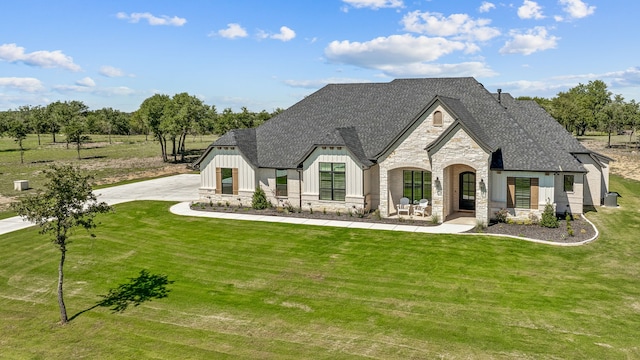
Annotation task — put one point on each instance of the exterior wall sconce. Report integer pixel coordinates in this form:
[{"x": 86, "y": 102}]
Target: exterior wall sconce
[
  {"x": 438, "y": 186},
  {"x": 483, "y": 187}
]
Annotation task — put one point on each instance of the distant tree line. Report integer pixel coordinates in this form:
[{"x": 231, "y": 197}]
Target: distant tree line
[
  {"x": 168, "y": 119},
  {"x": 592, "y": 107}
]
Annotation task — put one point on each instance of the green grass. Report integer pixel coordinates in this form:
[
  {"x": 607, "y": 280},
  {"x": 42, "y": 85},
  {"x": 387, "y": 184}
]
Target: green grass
[
  {"x": 125, "y": 155},
  {"x": 615, "y": 139},
  {"x": 278, "y": 291}
]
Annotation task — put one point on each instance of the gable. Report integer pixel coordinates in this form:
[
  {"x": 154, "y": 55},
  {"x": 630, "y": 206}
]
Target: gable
[
  {"x": 457, "y": 143},
  {"x": 408, "y": 147}
]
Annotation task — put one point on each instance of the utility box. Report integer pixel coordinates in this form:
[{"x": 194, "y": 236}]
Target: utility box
[
  {"x": 611, "y": 199},
  {"x": 21, "y": 185}
]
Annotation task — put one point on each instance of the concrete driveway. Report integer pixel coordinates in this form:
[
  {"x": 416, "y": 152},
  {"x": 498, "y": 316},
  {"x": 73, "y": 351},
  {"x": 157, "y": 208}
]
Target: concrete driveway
[{"x": 181, "y": 188}]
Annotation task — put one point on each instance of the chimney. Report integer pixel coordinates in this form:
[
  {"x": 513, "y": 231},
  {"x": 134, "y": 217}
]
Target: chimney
[{"x": 499, "y": 96}]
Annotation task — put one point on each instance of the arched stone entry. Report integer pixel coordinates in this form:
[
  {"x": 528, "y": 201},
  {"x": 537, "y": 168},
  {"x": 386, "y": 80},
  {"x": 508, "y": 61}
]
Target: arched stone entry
[{"x": 459, "y": 190}]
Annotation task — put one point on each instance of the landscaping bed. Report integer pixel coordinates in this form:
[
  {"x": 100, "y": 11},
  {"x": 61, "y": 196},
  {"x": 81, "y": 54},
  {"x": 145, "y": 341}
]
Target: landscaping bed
[
  {"x": 582, "y": 230},
  {"x": 316, "y": 214}
]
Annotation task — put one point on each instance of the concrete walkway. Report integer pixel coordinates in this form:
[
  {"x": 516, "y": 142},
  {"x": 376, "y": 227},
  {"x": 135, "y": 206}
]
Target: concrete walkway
[
  {"x": 446, "y": 228},
  {"x": 184, "y": 189}
]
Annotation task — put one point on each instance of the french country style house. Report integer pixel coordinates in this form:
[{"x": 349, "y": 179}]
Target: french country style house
[{"x": 365, "y": 146}]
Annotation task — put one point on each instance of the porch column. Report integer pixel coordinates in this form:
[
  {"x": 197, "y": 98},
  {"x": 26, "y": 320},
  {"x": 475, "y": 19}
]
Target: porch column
[
  {"x": 384, "y": 191},
  {"x": 437, "y": 192}
]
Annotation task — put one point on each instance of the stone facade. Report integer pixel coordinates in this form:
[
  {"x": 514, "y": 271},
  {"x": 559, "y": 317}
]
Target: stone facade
[
  {"x": 459, "y": 153},
  {"x": 409, "y": 153}
]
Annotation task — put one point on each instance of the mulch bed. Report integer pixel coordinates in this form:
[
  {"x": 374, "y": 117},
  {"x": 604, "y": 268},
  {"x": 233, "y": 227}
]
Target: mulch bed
[
  {"x": 582, "y": 230},
  {"x": 329, "y": 215}
]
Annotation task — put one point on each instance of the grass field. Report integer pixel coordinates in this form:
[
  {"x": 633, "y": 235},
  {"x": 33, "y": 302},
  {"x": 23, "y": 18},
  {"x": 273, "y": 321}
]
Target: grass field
[
  {"x": 123, "y": 157},
  {"x": 277, "y": 291}
]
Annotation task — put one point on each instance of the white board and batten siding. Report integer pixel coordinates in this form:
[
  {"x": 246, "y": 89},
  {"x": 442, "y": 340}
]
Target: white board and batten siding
[
  {"x": 228, "y": 158},
  {"x": 353, "y": 175},
  {"x": 499, "y": 187}
]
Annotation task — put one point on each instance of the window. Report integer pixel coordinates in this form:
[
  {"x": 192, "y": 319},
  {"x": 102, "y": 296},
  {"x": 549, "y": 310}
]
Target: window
[
  {"x": 522, "y": 192},
  {"x": 417, "y": 185},
  {"x": 332, "y": 181},
  {"x": 227, "y": 181},
  {"x": 437, "y": 118},
  {"x": 568, "y": 183},
  {"x": 281, "y": 182}
]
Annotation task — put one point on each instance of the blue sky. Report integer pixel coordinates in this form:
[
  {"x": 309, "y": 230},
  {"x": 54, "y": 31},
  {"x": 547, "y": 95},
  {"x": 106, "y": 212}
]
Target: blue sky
[{"x": 265, "y": 54}]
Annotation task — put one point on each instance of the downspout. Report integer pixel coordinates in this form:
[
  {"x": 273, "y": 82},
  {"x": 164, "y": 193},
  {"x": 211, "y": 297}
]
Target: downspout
[
  {"x": 300, "y": 188},
  {"x": 364, "y": 203}
]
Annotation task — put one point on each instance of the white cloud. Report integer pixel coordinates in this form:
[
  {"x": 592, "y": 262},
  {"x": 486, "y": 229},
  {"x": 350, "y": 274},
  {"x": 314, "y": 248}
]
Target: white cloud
[
  {"x": 151, "y": 19},
  {"x": 405, "y": 55},
  {"x": 534, "y": 40},
  {"x": 623, "y": 81},
  {"x": 375, "y": 4},
  {"x": 45, "y": 59},
  {"x": 486, "y": 7},
  {"x": 544, "y": 88},
  {"x": 530, "y": 10},
  {"x": 87, "y": 82},
  {"x": 110, "y": 91},
  {"x": 576, "y": 9},
  {"x": 395, "y": 49},
  {"x": 457, "y": 26},
  {"x": 622, "y": 78},
  {"x": 472, "y": 68},
  {"x": 285, "y": 34},
  {"x": 232, "y": 31},
  {"x": 316, "y": 84},
  {"x": 27, "y": 84},
  {"x": 110, "y": 71}
]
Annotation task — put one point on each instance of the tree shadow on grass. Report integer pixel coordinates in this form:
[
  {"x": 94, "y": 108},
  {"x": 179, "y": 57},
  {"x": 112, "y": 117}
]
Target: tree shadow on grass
[{"x": 144, "y": 287}]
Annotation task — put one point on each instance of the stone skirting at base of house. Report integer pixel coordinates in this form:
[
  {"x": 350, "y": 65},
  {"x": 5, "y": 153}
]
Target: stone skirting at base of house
[{"x": 245, "y": 198}]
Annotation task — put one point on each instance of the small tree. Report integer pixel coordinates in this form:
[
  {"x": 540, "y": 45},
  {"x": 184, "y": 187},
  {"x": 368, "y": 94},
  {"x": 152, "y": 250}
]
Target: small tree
[
  {"x": 66, "y": 203},
  {"x": 75, "y": 130},
  {"x": 549, "y": 218},
  {"x": 259, "y": 199},
  {"x": 17, "y": 129}
]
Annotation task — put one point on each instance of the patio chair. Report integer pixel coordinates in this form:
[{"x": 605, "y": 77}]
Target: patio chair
[
  {"x": 421, "y": 208},
  {"x": 404, "y": 206}
]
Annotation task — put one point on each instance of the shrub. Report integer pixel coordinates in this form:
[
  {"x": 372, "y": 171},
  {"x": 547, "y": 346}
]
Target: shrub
[
  {"x": 502, "y": 215},
  {"x": 549, "y": 219},
  {"x": 435, "y": 219},
  {"x": 259, "y": 199},
  {"x": 569, "y": 227},
  {"x": 289, "y": 208}
]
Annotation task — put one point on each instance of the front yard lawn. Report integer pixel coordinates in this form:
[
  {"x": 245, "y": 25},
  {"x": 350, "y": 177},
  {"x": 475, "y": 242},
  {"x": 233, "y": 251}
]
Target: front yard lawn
[{"x": 278, "y": 291}]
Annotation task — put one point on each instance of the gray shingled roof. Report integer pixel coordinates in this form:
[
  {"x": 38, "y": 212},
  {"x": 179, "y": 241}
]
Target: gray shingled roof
[{"x": 367, "y": 118}]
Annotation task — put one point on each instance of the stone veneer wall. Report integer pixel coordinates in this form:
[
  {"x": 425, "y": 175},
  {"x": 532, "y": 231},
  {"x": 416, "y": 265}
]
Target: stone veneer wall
[
  {"x": 410, "y": 153},
  {"x": 460, "y": 148}
]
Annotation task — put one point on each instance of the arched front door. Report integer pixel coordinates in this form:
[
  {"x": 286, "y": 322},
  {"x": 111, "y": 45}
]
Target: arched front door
[{"x": 467, "y": 191}]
